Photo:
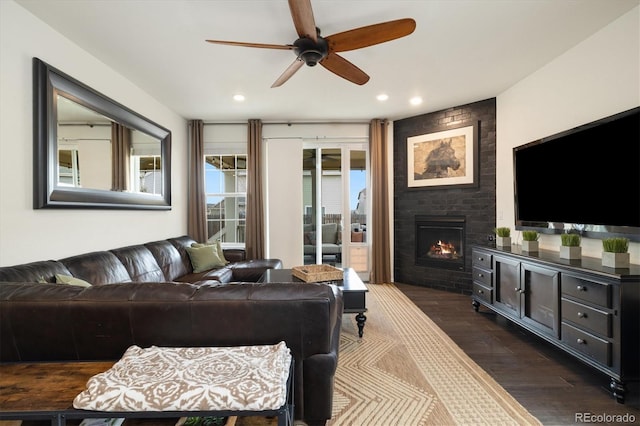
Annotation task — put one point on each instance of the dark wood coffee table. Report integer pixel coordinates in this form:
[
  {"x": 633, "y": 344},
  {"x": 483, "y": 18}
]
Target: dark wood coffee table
[{"x": 353, "y": 291}]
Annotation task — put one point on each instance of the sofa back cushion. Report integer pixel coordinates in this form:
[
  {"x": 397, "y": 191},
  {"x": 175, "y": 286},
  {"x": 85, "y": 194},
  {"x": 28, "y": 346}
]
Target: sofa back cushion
[
  {"x": 45, "y": 270},
  {"x": 100, "y": 267},
  {"x": 171, "y": 262},
  {"x": 181, "y": 244},
  {"x": 330, "y": 233},
  {"x": 140, "y": 263}
]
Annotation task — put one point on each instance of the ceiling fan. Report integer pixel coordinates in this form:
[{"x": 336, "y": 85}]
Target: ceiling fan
[{"x": 311, "y": 48}]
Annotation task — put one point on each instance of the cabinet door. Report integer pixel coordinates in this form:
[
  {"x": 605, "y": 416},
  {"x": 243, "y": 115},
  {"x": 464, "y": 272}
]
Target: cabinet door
[
  {"x": 540, "y": 295},
  {"x": 506, "y": 273}
]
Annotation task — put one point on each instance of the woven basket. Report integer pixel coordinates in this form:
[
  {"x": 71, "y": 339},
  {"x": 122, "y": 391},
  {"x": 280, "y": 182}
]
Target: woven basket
[{"x": 317, "y": 273}]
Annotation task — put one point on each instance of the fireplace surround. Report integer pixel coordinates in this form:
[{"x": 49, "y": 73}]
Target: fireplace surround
[
  {"x": 476, "y": 204},
  {"x": 440, "y": 241}
]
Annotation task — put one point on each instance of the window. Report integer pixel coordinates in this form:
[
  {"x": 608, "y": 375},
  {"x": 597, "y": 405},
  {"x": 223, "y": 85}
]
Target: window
[
  {"x": 226, "y": 195},
  {"x": 68, "y": 167},
  {"x": 146, "y": 174}
]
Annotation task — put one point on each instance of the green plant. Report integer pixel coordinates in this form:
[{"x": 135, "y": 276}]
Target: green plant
[
  {"x": 615, "y": 245},
  {"x": 530, "y": 235},
  {"x": 503, "y": 231},
  {"x": 570, "y": 240}
]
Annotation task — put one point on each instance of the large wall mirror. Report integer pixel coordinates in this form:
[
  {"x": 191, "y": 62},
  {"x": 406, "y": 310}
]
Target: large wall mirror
[{"x": 92, "y": 152}]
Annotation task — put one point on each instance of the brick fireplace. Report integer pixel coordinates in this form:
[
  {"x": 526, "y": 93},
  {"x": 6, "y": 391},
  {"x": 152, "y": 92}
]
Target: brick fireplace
[
  {"x": 440, "y": 241},
  {"x": 474, "y": 206}
]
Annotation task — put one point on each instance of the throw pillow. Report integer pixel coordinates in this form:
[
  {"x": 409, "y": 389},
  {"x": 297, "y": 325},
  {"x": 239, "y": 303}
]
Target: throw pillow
[
  {"x": 217, "y": 246},
  {"x": 204, "y": 258},
  {"x": 67, "y": 279},
  {"x": 221, "y": 251}
]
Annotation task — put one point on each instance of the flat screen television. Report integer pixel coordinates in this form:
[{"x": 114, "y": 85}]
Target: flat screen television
[{"x": 584, "y": 180}]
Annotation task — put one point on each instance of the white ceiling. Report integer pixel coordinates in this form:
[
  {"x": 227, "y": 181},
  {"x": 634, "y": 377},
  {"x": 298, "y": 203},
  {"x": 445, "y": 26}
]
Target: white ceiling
[{"x": 461, "y": 51}]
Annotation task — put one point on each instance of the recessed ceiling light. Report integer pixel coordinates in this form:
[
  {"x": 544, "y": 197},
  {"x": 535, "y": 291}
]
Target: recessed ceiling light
[
  {"x": 238, "y": 98},
  {"x": 416, "y": 100},
  {"x": 382, "y": 97}
]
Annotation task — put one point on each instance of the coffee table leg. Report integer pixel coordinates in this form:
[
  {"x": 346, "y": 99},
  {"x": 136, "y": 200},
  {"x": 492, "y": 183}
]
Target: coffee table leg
[{"x": 361, "y": 319}]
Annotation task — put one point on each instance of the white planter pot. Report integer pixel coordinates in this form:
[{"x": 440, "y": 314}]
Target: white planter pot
[
  {"x": 503, "y": 241},
  {"x": 615, "y": 260},
  {"x": 570, "y": 252},
  {"x": 530, "y": 246}
]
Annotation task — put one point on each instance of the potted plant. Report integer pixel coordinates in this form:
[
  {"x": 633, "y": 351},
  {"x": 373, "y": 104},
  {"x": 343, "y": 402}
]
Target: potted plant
[
  {"x": 570, "y": 248},
  {"x": 615, "y": 252},
  {"x": 530, "y": 241},
  {"x": 503, "y": 236}
]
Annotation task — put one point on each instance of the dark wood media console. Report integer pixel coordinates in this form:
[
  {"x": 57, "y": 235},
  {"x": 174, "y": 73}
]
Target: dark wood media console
[{"x": 590, "y": 311}]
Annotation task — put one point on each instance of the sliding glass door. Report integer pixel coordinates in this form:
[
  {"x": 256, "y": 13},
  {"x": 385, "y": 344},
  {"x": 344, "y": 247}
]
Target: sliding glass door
[{"x": 335, "y": 206}]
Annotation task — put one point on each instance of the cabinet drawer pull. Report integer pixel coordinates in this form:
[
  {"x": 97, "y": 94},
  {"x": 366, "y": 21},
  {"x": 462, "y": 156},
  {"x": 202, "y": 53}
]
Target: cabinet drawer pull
[
  {"x": 581, "y": 341},
  {"x": 481, "y": 259},
  {"x": 480, "y": 275},
  {"x": 582, "y": 315},
  {"x": 581, "y": 288},
  {"x": 516, "y": 289},
  {"x": 480, "y": 291}
]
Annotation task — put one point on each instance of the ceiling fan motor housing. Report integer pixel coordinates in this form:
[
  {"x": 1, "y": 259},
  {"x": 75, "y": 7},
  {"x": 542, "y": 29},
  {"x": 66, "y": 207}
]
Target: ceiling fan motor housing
[{"x": 309, "y": 51}]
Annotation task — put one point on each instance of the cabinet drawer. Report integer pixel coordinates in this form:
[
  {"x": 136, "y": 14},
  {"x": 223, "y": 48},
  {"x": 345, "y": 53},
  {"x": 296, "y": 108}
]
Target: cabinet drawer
[
  {"x": 586, "y": 317},
  {"x": 587, "y": 344},
  {"x": 589, "y": 291},
  {"x": 482, "y": 276},
  {"x": 482, "y": 259},
  {"x": 483, "y": 293}
]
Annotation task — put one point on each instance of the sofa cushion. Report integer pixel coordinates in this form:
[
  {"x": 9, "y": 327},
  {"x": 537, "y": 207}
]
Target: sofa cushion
[
  {"x": 214, "y": 276},
  {"x": 68, "y": 279},
  {"x": 45, "y": 270},
  {"x": 252, "y": 270},
  {"x": 217, "y": 248},
  {"x": 140, "y": 263},
  {"x": 169, "y": 259},
  {"x": 204, "y": 258},
  {"x": 100, "y": 267},
  {"x": 330, "y": 233}
]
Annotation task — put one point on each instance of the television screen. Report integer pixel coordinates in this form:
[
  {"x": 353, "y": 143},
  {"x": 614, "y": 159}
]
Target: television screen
[{"x": 585, "y": 179}]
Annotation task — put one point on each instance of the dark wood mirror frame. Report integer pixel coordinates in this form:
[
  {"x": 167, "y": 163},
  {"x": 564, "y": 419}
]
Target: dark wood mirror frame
[{"x": 48, "y": 82}]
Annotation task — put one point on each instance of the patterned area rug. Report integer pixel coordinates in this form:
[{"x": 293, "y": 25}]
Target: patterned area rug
[{"x": 407, "y": 371}]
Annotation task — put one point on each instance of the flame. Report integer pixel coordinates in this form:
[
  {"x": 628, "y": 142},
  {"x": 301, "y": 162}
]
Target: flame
[{"x": 442, "y": 248}]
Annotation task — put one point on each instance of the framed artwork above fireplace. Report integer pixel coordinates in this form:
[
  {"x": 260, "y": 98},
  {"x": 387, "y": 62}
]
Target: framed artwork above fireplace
[{"x": 448, "y": 157}]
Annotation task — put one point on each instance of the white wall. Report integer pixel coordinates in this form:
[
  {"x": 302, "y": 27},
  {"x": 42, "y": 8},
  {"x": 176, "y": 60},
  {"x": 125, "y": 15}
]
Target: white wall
[
  {"x": 597, "y": 78},
  {"x": 27, "y": 234}
]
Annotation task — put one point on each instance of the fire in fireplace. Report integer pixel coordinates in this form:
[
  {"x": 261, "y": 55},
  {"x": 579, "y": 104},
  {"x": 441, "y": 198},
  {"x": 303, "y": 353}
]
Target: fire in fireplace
[{"x": 440, "y": 241}]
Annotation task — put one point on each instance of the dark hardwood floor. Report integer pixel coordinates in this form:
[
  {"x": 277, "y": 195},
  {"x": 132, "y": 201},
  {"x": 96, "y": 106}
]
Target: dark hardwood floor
[{"x": 553, "y": 386}]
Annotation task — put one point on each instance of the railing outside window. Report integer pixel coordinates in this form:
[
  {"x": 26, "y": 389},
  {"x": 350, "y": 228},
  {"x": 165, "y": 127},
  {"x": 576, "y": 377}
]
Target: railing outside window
[{"x": 226, "y": 193}]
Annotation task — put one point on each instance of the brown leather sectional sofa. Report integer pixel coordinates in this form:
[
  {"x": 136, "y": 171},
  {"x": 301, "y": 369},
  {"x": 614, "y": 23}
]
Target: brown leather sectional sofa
[{"x": 148, "y": 295}]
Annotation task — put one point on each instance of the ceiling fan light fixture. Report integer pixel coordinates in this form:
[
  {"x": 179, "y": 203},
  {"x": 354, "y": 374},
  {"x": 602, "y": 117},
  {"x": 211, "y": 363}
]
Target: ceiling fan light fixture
[
  {"x": 309, "y": 51},
  {"x": 311, "y": 57}
]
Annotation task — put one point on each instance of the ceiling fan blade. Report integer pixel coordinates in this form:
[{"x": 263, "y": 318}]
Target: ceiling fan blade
[
  {"x": 303, "y": 20},
  {"x": 286, "y": 75},
  {"x": 370, "y": 35},
  {"x": 345, "y": 69},
  {"x": 260, "y": 45}
]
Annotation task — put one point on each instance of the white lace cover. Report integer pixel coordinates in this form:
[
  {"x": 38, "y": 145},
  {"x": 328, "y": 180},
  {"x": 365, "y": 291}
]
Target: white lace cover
[{"x": 251, "y": 378}]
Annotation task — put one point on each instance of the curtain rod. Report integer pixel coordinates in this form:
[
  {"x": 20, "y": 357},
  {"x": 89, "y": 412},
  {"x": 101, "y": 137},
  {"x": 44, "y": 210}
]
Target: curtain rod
[{"x": 288, "y": 123}]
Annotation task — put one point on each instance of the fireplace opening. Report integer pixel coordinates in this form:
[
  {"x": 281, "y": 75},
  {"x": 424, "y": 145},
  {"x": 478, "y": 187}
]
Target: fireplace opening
[{"x": 440, "y": 241}]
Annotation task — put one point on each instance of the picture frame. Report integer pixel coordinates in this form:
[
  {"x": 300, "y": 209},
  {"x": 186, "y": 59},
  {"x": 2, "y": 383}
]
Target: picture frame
[{"x": 444, "y": 158}]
